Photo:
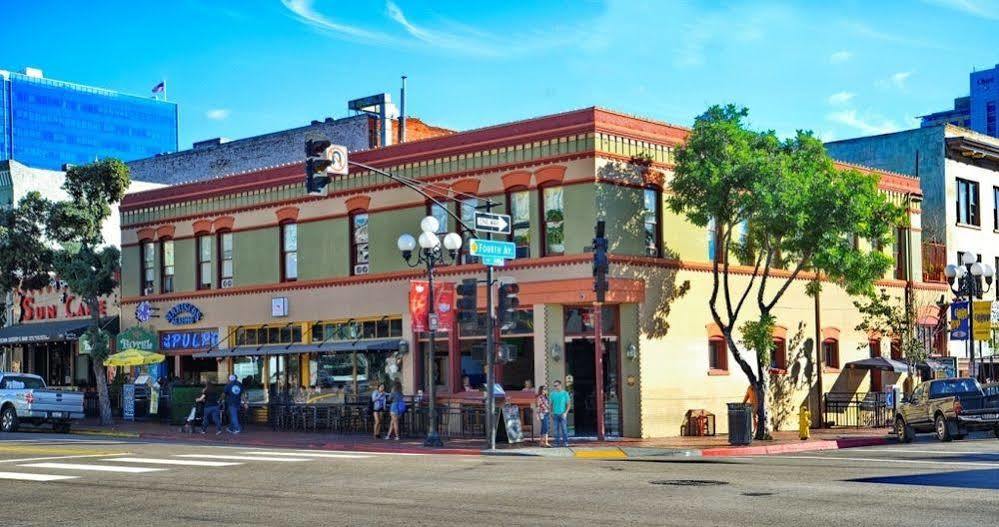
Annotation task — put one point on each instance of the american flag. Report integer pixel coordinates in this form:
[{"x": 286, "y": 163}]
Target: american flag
[{"x": 159, "y": 88}]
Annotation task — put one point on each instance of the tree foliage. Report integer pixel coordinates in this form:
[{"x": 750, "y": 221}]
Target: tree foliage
[
  {"x": 893, "y": 317},
  {"x": 25, "y": 258},
  {"x": 782, "y": 207}
]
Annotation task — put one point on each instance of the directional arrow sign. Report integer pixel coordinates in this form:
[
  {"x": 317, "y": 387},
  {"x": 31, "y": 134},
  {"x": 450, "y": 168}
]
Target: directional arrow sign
[
  {"x": 492, "y": 249},
  {"x": 495, "y": 223}
]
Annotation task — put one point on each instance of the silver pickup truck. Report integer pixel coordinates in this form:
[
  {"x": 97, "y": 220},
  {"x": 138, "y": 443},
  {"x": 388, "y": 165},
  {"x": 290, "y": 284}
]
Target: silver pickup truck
[{"x": 25, "y": 400}]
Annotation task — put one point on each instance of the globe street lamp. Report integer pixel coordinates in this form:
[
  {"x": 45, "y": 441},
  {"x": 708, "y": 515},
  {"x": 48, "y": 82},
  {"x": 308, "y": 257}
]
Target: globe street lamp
[
  {"x": 430, "y": 254},
  {"x": 965, "y": 281}
]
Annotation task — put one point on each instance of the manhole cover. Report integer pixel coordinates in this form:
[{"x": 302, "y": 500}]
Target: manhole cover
[
  {"x": 755, "y": 494},
  {"x": 689, "y": 482}
]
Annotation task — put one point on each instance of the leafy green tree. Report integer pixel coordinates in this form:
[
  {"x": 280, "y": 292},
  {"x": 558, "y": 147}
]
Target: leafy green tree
[
  {"x": 897, "y": 318},
  {"x": 80, "y": 259},
  {"x": 25, "y": 258},
  {"x": 782, "y": 208}
]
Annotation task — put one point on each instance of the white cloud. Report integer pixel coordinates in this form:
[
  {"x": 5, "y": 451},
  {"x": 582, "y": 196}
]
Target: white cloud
[
  {"x": 840, "y": 56},
  {"x": 307, "y": 13},
  {"x": 896, "y": 80},
  {"x": 217, "y": 114},
  {"x": 842, "y": 97},
  {"x": 980, "y": 8},
  {"x": 867, "y": 125}
]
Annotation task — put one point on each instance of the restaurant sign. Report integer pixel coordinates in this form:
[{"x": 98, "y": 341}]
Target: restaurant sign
[
  {"x": 53, "y": 303},
  {"x": 202, "y": 339},
  {"x": 184, "y": 313},
  {"x": 140, "y": 338}
]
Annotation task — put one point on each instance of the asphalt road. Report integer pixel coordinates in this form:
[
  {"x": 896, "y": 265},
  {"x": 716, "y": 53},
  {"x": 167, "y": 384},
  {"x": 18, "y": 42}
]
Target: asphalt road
[{"x": 77, "y": 481}]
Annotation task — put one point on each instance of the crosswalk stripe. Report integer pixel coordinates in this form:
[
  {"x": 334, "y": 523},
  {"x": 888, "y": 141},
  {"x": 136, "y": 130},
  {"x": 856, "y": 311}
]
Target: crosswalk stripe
[
  {"x": 309, "y": 454},
  {"x": 363, "y": 453},
  {"x": 244, "y": 458},
  {"x": 24, "y": 476},
  {"x": 93, "y": 468},
  {"x": 182, "y": 462}
]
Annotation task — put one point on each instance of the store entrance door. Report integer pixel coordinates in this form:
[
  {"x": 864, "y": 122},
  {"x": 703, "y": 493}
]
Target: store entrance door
[{"x": 581, "y": 369}]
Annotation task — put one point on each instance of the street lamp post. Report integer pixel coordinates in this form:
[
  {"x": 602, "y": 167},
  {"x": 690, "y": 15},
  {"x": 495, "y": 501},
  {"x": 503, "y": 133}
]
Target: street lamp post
[
  {"x": 965, "y": 281},
  {"x": 431, "y": 255}
]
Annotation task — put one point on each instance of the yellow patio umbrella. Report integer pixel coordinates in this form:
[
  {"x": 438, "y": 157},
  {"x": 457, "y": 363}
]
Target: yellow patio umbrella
[{"x": 133, "y": 357}]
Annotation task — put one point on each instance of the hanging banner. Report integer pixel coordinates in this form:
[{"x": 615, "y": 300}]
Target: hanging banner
[
  {"x": 982, "y": 323},
  {"x": 419, "y": 305},
  {"x": 959, "y": 323}
]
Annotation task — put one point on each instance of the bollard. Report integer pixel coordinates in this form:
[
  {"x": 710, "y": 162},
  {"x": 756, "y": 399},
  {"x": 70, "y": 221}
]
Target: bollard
[{"x": 804, "y": 421}]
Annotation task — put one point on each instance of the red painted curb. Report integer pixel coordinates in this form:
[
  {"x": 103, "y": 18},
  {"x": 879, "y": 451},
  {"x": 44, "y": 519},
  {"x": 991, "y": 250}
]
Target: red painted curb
[
  {"x": 317, "y": 445},
  {"x": 790, "y": 448}
]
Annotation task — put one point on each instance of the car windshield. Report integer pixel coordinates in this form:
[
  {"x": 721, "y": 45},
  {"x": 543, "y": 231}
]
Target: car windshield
[{"x": 954, "y": 387}]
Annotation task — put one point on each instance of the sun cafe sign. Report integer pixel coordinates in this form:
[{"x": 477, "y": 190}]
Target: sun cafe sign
[{"x": 53, "y": 303}]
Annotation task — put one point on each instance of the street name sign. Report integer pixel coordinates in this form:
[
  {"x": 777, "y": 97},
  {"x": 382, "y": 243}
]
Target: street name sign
[
  {"x": 494, "y": 223},
  {"x": 493, "y": 261},
  {"x": 492, "y": 248}
]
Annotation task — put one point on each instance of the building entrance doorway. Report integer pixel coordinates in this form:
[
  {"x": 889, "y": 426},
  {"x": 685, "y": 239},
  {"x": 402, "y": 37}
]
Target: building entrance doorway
[{"x": 581, "y": 371}]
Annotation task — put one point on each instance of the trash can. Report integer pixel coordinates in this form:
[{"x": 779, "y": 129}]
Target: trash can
[{"x": 740, "y": 424}]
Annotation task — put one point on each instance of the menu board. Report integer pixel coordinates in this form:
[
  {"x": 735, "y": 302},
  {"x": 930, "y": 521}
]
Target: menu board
[
  {"x": 128, "y": 402},
  {"x": 511, "y": 415}
]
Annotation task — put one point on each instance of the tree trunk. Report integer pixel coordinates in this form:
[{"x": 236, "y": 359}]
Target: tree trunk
[
  {"x": 97, "y": 363},
  {"x": 762, "y": 426}
]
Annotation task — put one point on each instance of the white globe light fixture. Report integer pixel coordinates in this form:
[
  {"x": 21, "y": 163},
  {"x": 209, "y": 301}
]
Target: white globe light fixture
[
  {"x": 452, "y": 241},
  {"x": 989, "y": 271},
  {"x": 968, "y": 258},
  {"x": 429, "y": 240},
  {"x": 406, "y": 243},
  {"x": 977, "y": 269},
  {"x": 950, "y": 271},
  {"x": 961, "y": 271},
  {"x": 430, "y": 224}
]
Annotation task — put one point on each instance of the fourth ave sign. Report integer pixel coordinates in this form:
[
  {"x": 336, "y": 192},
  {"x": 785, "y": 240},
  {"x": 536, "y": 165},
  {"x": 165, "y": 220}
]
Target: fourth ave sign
[{"x": 489, "y": 222}]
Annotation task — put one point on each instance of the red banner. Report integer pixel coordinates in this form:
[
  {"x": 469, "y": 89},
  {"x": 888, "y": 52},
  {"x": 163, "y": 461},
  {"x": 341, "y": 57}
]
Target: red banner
[{"x": 419, "y": 306}]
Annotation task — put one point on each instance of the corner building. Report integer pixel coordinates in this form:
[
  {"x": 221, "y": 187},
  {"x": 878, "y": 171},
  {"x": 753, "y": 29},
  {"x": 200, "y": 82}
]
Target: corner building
[{"x": 312, "y": 292}]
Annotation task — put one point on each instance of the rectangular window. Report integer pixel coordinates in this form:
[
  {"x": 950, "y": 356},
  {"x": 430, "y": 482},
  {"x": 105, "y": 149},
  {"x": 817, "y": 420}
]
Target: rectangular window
[
  {"x": 554, "y": 221},
  {"x": 204, "y": 262},
  {"x": 896, "y": 349},
  {"x": 148, "y": 267},
  {"x": 778, "y": 358},
  {"x": 466, "y": 210},
  {"x": 166, "y": 266},
  {"x": 652, "y": 212},
  {"x": 289, "y": 252},
  {"x": 519, "y": 209},
  {"x": 901, "y": 259},
  {"x": 225, "y": 259},
  {"x": 440, "y": 213},
  {"x": 830, "y": 353},
  {"x": 717, "y": 354},
  {"x": 359, "y": 255},
  {"x": 874, "y": 348},
  {"x": 967, "y": 202},
  {"x": 995, "y": 208}
]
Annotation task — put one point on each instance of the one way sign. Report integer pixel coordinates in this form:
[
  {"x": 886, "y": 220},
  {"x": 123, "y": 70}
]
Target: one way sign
[{"x": 495, "y": 223}]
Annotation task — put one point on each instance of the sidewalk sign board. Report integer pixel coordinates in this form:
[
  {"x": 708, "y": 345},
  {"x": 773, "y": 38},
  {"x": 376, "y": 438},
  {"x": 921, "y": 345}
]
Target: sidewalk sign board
[{"x": 128, "y": 402}]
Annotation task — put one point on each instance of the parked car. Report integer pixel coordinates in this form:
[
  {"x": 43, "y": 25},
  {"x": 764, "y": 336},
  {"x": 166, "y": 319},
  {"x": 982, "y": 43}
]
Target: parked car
[
  {"x": 24, "y": 399},
  {"x": 950, "y": 408}
]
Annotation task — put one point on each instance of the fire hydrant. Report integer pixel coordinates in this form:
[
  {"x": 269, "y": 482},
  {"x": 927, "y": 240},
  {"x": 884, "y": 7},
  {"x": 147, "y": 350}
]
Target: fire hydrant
[{"x": 804, "y": 422}]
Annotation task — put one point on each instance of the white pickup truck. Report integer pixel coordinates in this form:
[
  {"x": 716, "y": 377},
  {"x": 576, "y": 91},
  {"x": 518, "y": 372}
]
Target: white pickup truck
[{"x": 25, "y": 400}]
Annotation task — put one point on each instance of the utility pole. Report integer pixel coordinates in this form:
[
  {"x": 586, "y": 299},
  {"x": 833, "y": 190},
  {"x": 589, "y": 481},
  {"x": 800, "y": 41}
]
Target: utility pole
[
  {"x": 490, "y": 352},
  {"x": 601, "y": 264}
]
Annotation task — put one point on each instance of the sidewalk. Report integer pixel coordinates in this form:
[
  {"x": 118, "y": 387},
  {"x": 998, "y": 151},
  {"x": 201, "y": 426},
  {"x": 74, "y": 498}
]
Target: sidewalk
[{"x": 717, "y": 446}]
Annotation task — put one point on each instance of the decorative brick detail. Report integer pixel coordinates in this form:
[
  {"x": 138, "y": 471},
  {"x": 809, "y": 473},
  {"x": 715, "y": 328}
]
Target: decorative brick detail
[
  {"x": 467, "y": 186},
  {"x": 146, "y": 234},
  {"x": 830, "y": 333},
  {"x": 520, "y": 178},
  {"x": 287, "y": 214},
  {"x": 714, "y": 331},
  {"x": 552, "y": 174},
  {"x": 358, "y": 203},
  {"x": 165, "y": 231},
  {"x": 780, "y": 332},
  {"x": 223, "y": 222},
  {"x": 202, "y": 227},
  {"x": 654, "y": 177}
]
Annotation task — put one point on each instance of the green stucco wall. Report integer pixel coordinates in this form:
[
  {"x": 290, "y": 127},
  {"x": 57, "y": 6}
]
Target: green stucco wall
[
  {"x": 323, "y": 249},
  {"x": 184, "y": 265},
  {"x": 130, "y": 271},
  {"x": 385, "y": 228},
  {"x": 256, "y": 257},
  {"x": 630, "y": 395}
]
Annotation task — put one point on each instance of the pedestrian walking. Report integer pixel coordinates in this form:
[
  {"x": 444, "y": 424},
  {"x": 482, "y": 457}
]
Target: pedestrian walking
[
  {"x": 544, "y": 413},
  {"x": 212, "y": 412},
  {"x": 378, "y": 408},
  {"x": 233, "y": 402},
  {"x": 197, "y": 409},
  {"x": 396, "y": 410},
  {"x": 560, "y": 407}
]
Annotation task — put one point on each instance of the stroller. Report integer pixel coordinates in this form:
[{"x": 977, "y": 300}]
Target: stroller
[{"x": 195, "y": 418}]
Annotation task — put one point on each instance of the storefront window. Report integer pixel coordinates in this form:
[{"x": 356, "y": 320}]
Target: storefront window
[
  {"x": 269, "y": 335},
  {"x": 359, "y": 255},
  {"x": 579, "y": 320},
  {"x": 521, "y": 368},
  {"x": 554, "y": 221},
  {"x": 519, "y": 209},
  {"x": 204, "y": 262},
  {"x": 289, "y": 252},
  {"x": 250, "y": 372},
  {"x": 353, "y": 330},
  {"x": 167, "y": 266},
  {"x": 148, "y": 267},
  {"x": 225, "y": 259}
]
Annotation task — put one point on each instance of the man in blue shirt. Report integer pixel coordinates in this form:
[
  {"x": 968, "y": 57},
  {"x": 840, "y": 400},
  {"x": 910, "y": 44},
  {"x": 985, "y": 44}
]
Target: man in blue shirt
[
  {"x": 233, "y": 401},
  {"x": 560, "y": 410}
]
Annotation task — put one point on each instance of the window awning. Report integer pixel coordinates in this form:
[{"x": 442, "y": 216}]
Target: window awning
[
  {"x": 373, "y": 345},
  {"x": 55, "y": 331},
  {"x": 879, "y": 363}
]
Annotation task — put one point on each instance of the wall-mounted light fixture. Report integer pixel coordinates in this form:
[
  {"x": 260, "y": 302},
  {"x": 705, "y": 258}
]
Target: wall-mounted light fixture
[
  {"x": 631, "y": 352},
  {"x": 556, "y": 352}
]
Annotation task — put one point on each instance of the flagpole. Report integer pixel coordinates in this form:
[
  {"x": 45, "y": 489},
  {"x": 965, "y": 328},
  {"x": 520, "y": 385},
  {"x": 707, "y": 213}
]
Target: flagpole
[{"x": 164, "y": 92}]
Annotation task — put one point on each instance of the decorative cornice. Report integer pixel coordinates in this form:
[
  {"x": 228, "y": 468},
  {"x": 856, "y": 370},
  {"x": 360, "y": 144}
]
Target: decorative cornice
[
  {"x": 223, "y": 222},
  {"x": 201, "y": 227},
  {"x": 357, "y": 203},
  {"x": 165, "y": 231},
  {"x": 466, "y": 186},
  {"x": 552, "y": 174},
  {"x": 520, "y": 178},
  {"x": 147, "y": 234},
  {"x": 287, "y": 214}
]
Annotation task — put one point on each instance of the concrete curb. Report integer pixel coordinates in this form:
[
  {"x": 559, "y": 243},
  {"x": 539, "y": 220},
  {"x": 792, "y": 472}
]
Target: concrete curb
[
  {"x": 790, "y": 448},
  {"x": 106, "y": 433}
]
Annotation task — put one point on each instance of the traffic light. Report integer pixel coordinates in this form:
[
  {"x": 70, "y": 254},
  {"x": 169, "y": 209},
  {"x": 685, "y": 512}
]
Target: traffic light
[
  {"x": 601, "y": 262},
  {"x": 467, "y": 291},
  {"x": 506, "y": 303},
  {"x": 318, "y": 158}
]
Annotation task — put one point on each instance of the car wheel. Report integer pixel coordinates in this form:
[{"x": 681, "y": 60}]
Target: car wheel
[
  {"x": 61, "y": 428},
  {"x": 943, "y": 433},
  {"x": 903, "y": 432},
  {"x": 996, "y": 432},
  {"x": 8, "y": 420}
]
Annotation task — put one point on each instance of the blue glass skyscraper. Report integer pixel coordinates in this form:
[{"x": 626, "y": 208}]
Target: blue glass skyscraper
[{"x": 47, "y": 123}]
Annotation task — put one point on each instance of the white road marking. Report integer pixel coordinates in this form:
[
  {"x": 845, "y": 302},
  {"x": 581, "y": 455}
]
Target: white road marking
[
  {"x": 52, "y": 458},
  {"x": 93, "y": 468},
  {"x": 243, "y": 458},
  {"x": 182, "y": 462},
  {"x": 885, "y": 460},
  {"x": 945, "y": 452},
  {"x": 309, "y": 454},
  {"x": 24, "y": 476},
  {"x": 369, "y": 453}
]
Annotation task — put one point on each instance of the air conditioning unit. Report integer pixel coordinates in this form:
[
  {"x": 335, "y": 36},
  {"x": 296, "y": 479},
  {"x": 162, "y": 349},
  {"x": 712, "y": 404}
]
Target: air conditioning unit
[
  {"x": 226, "y": 283},
  {"x": 361, "y": 269}
]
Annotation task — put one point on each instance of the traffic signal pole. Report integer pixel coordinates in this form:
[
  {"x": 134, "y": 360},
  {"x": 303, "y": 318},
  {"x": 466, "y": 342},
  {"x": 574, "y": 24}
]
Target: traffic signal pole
[
  {"x": 490, "y": 361},
  {"x": 601, "y": 264}
]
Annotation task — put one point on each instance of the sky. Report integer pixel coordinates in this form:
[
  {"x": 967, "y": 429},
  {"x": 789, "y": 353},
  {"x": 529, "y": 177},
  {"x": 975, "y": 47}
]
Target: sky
[{"x": 242, "y": 68}]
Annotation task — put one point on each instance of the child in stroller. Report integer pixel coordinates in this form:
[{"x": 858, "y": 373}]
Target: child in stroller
[{"x": 197, "y": 414}]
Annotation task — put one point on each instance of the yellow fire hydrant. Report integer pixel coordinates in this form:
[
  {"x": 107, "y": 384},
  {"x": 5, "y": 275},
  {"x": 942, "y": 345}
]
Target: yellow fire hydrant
[{"x": 804, "y": 422}]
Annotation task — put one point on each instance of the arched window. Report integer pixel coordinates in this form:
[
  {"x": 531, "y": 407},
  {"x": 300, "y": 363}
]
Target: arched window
[
  {"x": 359, "y": 254},
  {"x": 224, "y": 242},
  {"x": 204, "y": 261},
  {"x": 289, "y": 252},
  {"x": 518, "y": 207},
  {"x": 652, "y": 199},
  {"x": 147, "y": 257},
  {"x": 830, "y": 353},
  {"x": 166, "y": 265},
  {"x": 552, "y": 220}
]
